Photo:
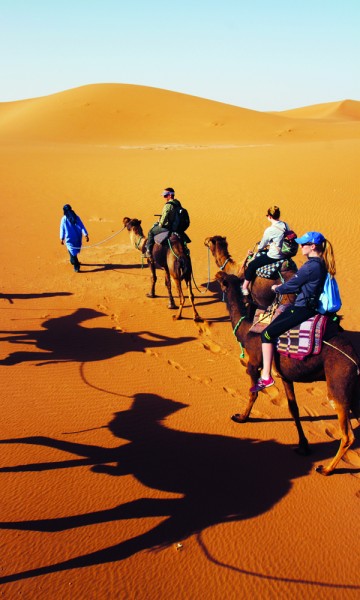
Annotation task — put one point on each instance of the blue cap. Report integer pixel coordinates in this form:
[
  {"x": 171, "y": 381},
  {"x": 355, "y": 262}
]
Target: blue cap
[{"x": 311, "y": 237}]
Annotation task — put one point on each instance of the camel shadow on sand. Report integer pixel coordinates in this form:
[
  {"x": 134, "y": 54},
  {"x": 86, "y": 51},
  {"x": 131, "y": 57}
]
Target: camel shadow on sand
[
  {"x": 218, "y": 479},
  {"x": 65, "y": 339}
]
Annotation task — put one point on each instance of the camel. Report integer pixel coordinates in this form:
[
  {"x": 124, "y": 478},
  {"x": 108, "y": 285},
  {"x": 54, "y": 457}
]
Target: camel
[
  {"x": 173, "y": 258},
  {"x": 339, "y": 368},
  {"x": 261, "y": 292}
]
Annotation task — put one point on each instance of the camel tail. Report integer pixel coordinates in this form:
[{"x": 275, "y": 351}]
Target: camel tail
[{"x": 184, "y": 268}]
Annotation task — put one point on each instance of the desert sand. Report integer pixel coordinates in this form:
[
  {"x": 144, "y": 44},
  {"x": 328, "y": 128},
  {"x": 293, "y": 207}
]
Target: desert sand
[{"x": 122, "y": 474}]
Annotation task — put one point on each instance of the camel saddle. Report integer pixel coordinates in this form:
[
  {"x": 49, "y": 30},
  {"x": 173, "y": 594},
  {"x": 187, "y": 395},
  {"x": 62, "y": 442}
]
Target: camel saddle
[{"x": 304, "y": 339}]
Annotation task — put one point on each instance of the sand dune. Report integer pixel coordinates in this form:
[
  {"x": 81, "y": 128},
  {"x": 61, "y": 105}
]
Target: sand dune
[
  {"x": 129, "y": 114},
  {"x": 341, "y": 111},
  {"x": 116, "y": 440}
]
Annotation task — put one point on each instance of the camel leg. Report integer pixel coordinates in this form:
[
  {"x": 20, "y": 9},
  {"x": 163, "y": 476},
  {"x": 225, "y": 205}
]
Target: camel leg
[
  {"x": 152, "y": 266},
  {"x": 347, "y": 439},
  {"x": 171, "y": 304},
  {"x": 196, "y": 315},
  {"x": 253, "y": 371},
  {"x": 303, "y": 447},
  {"x": 181, "y": 299}
]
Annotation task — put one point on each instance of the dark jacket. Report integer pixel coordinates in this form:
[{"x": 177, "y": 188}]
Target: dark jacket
[
  {"x": 308, "y": 283},
  {"x": 168, "y": 215}
]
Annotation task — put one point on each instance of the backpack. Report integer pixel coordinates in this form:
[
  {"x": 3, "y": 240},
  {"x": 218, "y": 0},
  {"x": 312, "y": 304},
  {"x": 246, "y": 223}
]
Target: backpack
[
  {"x": 289, "y": 246},
  {"x": 181, "y": 220},
  {"x": 329, "y": 300}
]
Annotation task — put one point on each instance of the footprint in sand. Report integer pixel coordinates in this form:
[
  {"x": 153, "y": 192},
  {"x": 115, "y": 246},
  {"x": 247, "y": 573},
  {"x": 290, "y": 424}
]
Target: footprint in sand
[
  {"x": 314, "y": 391},
  {"x": 230, "y": 391},
  {"x": 213, "y": 347},
  {"x": 204, "y": 380},
  {"x": 175, "y": 365},
  {"x": 352, "y": 458},
  {"x": 332, "y": 432},
  {"x": 151, "y": 352},
  {"x": 310, "y": 412},
  {"x": 203, "y": 328},
  {"x": 102, "y": 307}
]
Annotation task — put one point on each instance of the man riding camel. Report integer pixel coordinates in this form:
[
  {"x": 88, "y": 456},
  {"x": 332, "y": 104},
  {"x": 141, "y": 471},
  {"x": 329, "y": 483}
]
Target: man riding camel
[{"x": 167, "y": 221}]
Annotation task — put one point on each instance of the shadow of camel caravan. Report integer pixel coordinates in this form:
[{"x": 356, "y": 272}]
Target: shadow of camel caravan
[{"x": 203, "y": 469}]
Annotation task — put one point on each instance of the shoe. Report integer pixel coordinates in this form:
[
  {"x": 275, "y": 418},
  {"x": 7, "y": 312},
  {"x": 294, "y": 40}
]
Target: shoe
[
  {"x": 245, "y": 292},
  {"x": 261, "y": 384},
  {"x": 148, "y": 254}
]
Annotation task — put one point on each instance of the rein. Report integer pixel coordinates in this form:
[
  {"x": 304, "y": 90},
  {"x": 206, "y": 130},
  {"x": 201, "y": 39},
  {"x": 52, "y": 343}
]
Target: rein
[
  {"x": 225, "y": 263},
  {"x": 242, "y": 353},
  {"x": 137, "y": 244}
]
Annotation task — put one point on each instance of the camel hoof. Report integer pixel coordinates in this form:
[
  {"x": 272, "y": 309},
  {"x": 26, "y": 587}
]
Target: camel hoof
[
  {"x": 198, "y": 319},
  {"x": 172, "y": 307},
  {"x": 322, "y": 470},
  {"x": 150, "y": 295},
  {"x": 238, "y": 418}
]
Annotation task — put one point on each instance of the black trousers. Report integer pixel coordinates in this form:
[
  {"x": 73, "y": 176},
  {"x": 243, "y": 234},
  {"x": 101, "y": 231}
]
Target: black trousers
[
  {"x": 154, "y": 231},
  {"x": 74, "y": 261},
  {"x": 258, "y": 261},
  {"x": 292, "y": 315}
]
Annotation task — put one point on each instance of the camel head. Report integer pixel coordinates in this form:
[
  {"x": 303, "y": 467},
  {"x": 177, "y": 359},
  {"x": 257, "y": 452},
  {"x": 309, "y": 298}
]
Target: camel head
[
  {"x": 216, "y": 243},
  {"x": 228, "y": 282},
  {"x": 133, "y": 225}
]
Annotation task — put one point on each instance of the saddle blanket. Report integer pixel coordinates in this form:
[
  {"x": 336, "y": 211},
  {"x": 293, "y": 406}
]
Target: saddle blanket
[
  {"x": 303, "y": 340},
  {"x": 271, "y": 271},
  {"x": 161, "y": 237}
]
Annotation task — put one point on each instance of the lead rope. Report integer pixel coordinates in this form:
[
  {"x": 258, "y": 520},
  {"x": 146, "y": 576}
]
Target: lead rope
[
  {"x": 98, "y": 243},
  {"x": 208, "y": 282},
  {"x": 347, "y": 356}
]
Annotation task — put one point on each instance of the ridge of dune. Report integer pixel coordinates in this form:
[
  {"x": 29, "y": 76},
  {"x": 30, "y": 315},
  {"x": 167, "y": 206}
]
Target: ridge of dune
[
  {"x": 120, "y": 113},
  {"x": 125, "y": 114},
  {"x": 343, "y": 110}
]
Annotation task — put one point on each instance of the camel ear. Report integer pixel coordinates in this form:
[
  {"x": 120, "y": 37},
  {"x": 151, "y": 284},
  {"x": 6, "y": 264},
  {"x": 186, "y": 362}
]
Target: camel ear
[{"x": 139, "y": 222}]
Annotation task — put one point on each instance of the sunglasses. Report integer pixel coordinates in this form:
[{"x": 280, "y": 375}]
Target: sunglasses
[{"x": 307, "y": 244}]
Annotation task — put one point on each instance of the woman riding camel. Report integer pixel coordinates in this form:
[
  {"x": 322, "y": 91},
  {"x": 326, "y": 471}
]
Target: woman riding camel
[
  {"x": 273, "y": 237},
  {"x": 308, "y": 283}
]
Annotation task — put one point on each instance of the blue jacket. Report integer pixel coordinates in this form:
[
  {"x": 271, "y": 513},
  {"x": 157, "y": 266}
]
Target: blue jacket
[
  {"x": 72, "y": 234},
  {"x": 308, "y": 283}
]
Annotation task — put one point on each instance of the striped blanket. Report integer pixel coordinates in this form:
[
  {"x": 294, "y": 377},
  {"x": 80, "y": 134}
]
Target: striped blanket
[
  {"x": 303, "y": 340},
  {"x": 272, "y": 271}
]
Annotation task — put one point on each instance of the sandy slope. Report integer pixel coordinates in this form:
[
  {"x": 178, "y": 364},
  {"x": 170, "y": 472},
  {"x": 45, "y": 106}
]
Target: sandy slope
[{"x": 116, "y": 437}]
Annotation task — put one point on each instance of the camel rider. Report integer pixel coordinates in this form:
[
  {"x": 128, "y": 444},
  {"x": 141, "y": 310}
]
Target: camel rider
[{"x": 166, "y": 221}]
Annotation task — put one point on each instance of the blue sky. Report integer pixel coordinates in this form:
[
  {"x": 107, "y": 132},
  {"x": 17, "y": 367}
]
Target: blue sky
[{"x": 258, "y": 54}]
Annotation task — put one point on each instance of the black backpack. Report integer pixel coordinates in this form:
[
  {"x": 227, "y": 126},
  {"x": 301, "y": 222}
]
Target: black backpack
[{"x": 181, "y": 221}]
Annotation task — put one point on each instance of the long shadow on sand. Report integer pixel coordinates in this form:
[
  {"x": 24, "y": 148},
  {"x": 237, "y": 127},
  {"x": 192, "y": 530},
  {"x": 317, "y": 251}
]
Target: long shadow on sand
[
  {"x": 11, "y": 297},
  {"x": 65, "y": 339},
  {"x": 109, "y": 267},
  {"x": 219, "y": 479}
]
